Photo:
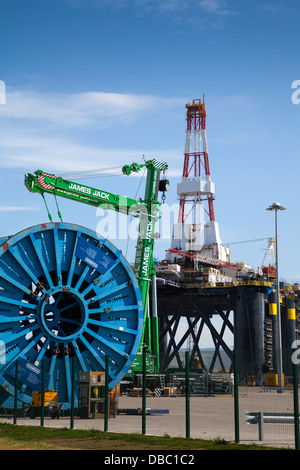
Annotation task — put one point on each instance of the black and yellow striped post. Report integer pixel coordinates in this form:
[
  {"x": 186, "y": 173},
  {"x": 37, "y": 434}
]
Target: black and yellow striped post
[
  {"x": 290, "y": 320},
  {"x": 272, "y": 305}
]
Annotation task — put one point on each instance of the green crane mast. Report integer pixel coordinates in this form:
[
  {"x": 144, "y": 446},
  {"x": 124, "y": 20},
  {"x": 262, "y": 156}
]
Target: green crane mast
[{"x": 148, "y": 212}]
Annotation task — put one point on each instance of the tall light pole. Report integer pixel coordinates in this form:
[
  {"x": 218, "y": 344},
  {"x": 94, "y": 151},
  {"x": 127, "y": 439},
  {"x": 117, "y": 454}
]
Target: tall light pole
[{"x": 278, "y": 207}]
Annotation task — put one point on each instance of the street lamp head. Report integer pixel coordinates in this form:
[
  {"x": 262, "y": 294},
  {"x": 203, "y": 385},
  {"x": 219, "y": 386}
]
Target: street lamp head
[{"x": 276, "y": 207}]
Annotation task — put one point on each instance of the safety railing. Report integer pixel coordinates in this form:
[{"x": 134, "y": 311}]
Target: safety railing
[{"x": 260, "y": 418}]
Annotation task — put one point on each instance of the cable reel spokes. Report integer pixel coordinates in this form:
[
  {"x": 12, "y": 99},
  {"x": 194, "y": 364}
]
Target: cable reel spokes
[{"x": 65, "y": 293}]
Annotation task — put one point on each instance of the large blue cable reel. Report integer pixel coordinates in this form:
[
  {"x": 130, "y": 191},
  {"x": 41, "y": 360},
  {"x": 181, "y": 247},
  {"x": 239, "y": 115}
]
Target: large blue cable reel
[{"x": 68, "y": 298}]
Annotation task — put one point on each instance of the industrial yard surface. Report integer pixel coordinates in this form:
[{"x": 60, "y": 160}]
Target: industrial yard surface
[{"x": 211, "y": 418}]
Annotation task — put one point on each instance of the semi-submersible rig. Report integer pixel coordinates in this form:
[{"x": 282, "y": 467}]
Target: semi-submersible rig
[
  {"x": 198, "y": 283},
  {"x": 69, "y": 299}
]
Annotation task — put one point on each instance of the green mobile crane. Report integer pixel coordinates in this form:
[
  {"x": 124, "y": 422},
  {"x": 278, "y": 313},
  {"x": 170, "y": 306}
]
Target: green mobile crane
[{"x": 148, "y": 212}]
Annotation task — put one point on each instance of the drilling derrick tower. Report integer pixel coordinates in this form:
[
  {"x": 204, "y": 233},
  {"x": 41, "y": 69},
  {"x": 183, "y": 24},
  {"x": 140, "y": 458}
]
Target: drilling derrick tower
[{"x": 196, "y": 230}]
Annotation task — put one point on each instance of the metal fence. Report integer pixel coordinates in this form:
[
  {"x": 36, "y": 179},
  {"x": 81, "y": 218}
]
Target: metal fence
[{"x": 241, "y": 411}]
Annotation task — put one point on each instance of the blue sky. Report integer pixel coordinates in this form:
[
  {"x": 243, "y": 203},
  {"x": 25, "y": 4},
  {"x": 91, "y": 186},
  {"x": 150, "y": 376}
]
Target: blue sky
[{"x": 96, "y": 83}]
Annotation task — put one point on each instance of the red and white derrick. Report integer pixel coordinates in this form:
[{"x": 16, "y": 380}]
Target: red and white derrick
[{"x": 196, "y": 230}]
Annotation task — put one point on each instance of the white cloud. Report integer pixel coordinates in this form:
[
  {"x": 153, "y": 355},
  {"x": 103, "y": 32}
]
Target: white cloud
[
  {"x": 31, "y": 152},
  {"x": 16, "y": 208},
  {"x": 212, "y": 7},
  {"x": 216, "y": 7},
  {"x": 39, "y": 130},
  {"x": 80, "y": 109},
  {"x": 270, "y": 8}
]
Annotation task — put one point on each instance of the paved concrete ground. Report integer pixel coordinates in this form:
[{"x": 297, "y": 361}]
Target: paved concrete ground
[{"x": 211, "y": 417}]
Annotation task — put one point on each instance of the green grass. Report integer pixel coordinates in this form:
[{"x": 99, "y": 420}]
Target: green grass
[{"x": 43, "y": 438}]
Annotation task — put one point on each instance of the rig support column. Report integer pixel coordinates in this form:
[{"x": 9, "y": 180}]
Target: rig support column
[{"x": 249, "y": 331}]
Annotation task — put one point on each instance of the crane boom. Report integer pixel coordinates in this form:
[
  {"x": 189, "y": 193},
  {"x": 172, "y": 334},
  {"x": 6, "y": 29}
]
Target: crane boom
[
  {"x": 42, "y": 182},
  {"x": 147, "y": 209}
]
